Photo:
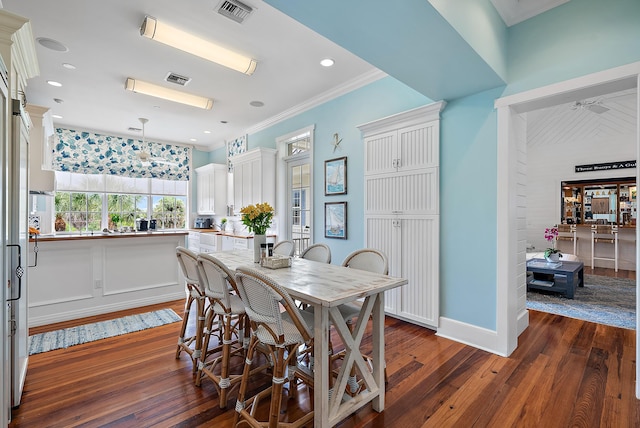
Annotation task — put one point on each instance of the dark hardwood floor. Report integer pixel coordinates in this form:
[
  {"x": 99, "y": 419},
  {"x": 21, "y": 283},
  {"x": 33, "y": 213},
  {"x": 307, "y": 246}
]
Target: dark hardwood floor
[{"x": 564, "y": 373}]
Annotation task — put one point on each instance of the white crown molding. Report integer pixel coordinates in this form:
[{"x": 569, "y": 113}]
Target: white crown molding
[{"x": 329, "y": 95}]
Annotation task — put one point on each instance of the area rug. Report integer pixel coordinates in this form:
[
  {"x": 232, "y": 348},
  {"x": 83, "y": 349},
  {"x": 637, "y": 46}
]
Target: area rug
[
  {"x": 67, "y": 337},
  {"x": 602, "y": 300}
]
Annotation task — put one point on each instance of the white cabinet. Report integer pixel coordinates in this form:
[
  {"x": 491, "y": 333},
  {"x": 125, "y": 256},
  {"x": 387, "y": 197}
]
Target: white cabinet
[
  {"x": 193, "y": 241},
  {"x": 402, "y": 207},
  {"x": 211, "y": 181},
  {"x": 254, "y": 178},
  {"x": 209, "y": 242}
]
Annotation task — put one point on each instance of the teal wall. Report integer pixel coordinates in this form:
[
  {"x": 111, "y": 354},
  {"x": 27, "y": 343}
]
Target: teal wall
[
  {"x": 478, "y": 22},
  {"x": 575, "y": 39},
  {"x": 342, "y": 115},
  {"x": 468, "y": 198},
  {"x": 572, "y": 40}
]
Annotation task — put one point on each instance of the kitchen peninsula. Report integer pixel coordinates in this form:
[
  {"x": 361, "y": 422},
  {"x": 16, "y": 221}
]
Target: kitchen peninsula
[{"x": 79, "y": 275}]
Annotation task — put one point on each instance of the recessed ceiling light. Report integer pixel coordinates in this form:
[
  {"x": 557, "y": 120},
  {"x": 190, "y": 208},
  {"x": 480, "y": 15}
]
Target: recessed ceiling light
[
  {"x": 193, "y": 139},
  {"x": 54, "y": 83},
  {"x": 69, "y": 66},
  {"x": 58, "y": 100},
  {"x": 327, "y": 62},
  {"x": 207, "y": 132},
  {"x": 256, "y": 103},
  {"x": 54, "y": 45},
  {"x": 56, "y": 116}
]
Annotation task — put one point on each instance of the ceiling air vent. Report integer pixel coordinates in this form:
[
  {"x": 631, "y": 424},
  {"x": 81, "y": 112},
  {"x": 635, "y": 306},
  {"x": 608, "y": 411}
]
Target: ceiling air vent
[
  {"x": 133, "y": 129},
  {"x": 235, "y": 10},
  {"x": 177, "y": 79}
]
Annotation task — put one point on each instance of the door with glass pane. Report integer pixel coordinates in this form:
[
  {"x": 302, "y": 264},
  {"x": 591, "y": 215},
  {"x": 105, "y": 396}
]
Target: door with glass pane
[{"x": 300, "y": 205}]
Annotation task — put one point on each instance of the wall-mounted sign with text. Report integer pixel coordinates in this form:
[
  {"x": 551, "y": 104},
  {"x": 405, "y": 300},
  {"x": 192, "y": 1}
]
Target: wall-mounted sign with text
[{"x": 606, "y": 166}]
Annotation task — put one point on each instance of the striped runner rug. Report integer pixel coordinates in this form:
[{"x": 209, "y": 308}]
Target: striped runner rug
[{"x": 71, "y": 336}]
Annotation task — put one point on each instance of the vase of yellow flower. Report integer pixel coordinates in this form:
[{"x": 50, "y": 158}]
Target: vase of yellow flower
[{"x": 257, "y": 218}]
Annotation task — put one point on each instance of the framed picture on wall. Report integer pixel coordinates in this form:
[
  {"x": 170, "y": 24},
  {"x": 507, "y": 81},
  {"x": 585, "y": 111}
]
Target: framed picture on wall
[
  {"x": 335, "y": 220},
  {"x": 335, "y": 176}
]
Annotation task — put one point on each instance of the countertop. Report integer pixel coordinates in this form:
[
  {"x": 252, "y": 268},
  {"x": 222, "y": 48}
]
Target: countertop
[
  {"x": 229, "y": 234},
  {"x": 103, "y": 235}
]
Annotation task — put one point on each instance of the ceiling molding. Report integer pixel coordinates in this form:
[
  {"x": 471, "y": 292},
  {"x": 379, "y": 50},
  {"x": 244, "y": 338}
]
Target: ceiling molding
[
  {"x": 320, "y": 99},
  {"x": 515, "y": 11}
]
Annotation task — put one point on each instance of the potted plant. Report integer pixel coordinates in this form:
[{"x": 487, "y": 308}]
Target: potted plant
[
  {"x": 552, "y": 254},
  {"x": 223, "y": 224},
  {"x": 257, "y": 218},
  {"x": 115, "y": 219}
]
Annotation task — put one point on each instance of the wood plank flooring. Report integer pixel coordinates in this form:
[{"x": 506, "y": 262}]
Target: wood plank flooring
[{"x": 564, "y": 373}]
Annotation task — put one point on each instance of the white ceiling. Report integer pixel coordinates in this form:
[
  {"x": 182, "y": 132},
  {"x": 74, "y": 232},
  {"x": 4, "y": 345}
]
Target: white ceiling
[
  {"x": 105, "y": 47},
  {"x": 563, "y": 124}
]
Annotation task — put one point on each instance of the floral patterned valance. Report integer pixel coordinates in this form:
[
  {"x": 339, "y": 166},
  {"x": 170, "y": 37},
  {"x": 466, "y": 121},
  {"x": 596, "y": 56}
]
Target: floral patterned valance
[{"x": 89, "y": 153}]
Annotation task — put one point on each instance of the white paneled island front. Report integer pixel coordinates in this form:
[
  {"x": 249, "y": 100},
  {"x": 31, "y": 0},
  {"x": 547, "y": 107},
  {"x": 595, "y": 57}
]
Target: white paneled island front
[{"x": 84, "y": 275}]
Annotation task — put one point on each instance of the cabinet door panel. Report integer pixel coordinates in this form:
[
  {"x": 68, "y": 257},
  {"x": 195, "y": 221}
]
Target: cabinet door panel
[
  {"x": 381, "y": 194},
  {"x": 419, "y": 265},
  {"x": 380, "y": 151},
  {"x": 417, "y": 147},
  {"x": 416, "y": 192},
  {"x": 382, "y": 235}
]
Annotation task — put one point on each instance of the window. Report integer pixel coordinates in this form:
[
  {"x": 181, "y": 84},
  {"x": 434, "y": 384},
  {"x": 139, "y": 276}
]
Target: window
[{"x": 87, "y": 203}]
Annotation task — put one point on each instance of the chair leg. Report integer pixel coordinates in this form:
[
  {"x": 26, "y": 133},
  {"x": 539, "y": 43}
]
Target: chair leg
[
  {"x": 276, "y": 391},
  {"x": 207, "y": 331},
  {"x": 183, "y": 342},
  {"x": 225, "y": 382},
  {"x": 245, "y": 380}
]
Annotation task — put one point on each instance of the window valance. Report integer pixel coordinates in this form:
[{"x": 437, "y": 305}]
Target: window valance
[{"x": 90, "y": 153}]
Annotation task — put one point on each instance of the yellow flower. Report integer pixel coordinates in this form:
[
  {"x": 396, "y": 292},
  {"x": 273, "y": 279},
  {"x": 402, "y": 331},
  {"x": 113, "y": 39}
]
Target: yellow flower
[{"x": 257, "y": 217}]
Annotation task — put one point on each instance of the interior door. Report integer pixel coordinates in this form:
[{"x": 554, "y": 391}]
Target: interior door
[{"x": 299, "y": 204}]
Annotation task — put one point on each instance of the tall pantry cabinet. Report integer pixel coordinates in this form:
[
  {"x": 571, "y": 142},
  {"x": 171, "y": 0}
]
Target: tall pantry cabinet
[{"x": 401, "y": 207}]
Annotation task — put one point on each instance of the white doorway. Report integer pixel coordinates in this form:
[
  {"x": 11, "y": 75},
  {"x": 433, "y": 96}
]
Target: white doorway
[{"x": 511, "y": 230}]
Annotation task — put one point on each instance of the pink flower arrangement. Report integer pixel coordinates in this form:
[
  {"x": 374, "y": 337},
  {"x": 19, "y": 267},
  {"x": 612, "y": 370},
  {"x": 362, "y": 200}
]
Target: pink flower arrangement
[{"x": 550, "y": 234}]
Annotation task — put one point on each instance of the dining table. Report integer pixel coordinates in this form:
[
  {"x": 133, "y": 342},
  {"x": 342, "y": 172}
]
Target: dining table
[{"x": 325, "y": 287}]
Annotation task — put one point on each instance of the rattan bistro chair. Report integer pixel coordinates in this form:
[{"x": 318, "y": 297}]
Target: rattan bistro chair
[
  {"x": 281, "y": 337},
  {"x": 317, "y": 252},
  {"x": 224, "y": 304},
  {"x": 284, "y": 248},
  {"x": 192, "y": 345}
]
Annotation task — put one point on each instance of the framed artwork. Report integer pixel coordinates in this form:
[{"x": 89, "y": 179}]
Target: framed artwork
[
  {"x": 335, "y": 220},
  {"x": 335, "y": 176},
  {"x": 235, "y": 147}
]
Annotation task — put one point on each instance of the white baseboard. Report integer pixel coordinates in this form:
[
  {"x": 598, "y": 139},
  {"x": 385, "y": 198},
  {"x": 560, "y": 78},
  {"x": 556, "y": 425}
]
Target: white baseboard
[
  {"x": 468, "y": 334},
  {"x": 99, "y": 310},
  {"x": 523, "y": 321}
]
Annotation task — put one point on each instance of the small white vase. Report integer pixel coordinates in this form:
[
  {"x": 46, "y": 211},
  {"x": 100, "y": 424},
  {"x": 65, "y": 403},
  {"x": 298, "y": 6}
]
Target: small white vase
[
  {"x": 257, "y": 241},
  {"x": 553, "y": 257}
]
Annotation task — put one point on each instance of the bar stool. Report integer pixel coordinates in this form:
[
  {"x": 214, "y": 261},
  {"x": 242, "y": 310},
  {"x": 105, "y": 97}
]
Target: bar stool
[
  {"x": 192, "y": 345},
  {"x": 280, "y": 335},
  {"x": 604, "y": 234},
  {"x": 219, "y": 283},
  {"x": 568, "y": 232}
]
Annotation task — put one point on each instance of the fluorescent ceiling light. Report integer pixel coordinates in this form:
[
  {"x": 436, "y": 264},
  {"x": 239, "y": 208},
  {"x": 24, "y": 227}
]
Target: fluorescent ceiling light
[
  {"x": 168, "y": 94},
  {"x": 163, "y": 33}
]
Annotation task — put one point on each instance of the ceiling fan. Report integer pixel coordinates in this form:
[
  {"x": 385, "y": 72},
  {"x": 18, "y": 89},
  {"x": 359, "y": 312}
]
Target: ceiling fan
[
  {"x": 144, "y": 156},
  {"x": 594, "y": 106}
]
